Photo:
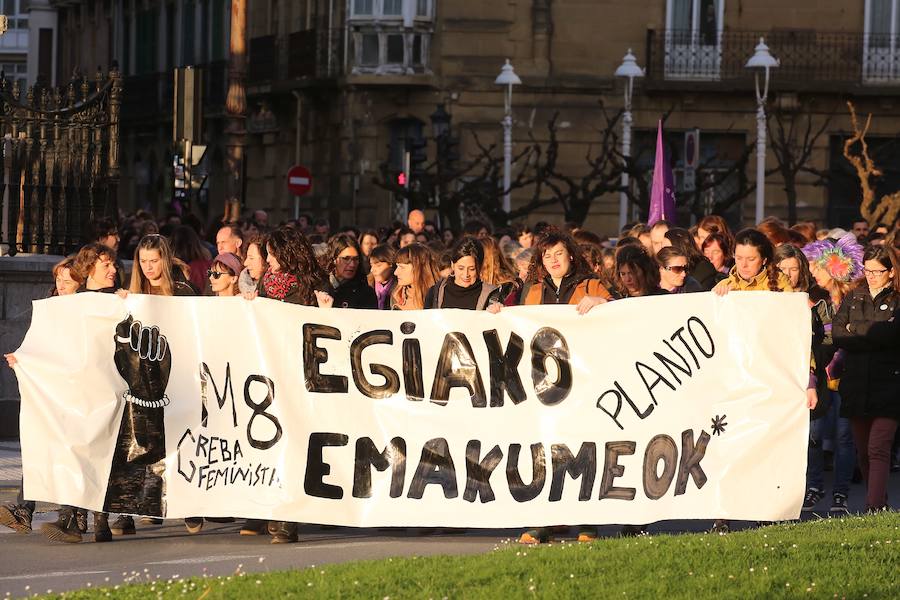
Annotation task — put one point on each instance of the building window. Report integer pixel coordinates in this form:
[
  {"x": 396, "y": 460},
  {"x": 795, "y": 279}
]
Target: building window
[
  {"x": 13, "y": 72},
  {"x": 392, "y": 9},
  {"x": 363, "y": 7},
  {"x": 694, "y": 39},
  {"x": 881, "y": 50},
  {"x": 391, "y": 36},
  {"x": 16, "y": 37}
]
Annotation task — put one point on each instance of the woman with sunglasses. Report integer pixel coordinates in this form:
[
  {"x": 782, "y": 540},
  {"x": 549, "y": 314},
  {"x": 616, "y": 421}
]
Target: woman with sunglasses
[
  {"x": 699, "y": 267},
  {"x": 867, "y": 328},
  {"x": 673, "y": 272},
  {"x": 223, "y": 275},
  {"x": 347, "y": 286}
]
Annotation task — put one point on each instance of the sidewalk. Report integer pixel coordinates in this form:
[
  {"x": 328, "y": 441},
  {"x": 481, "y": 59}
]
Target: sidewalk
[{"x": 10, "y": 463}]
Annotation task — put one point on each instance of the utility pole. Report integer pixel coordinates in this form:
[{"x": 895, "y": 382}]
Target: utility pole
[{"x": 236, "y": 111}]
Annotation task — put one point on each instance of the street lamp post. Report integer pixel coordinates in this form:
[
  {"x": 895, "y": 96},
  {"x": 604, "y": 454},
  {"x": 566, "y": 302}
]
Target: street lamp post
[
  {"x": 761, "y": 62},
  {"x": 508, "y": 78},
  {"x": 629, "y": 69}
]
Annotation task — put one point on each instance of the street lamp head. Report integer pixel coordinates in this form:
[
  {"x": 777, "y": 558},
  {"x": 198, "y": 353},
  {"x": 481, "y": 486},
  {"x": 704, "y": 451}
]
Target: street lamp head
[
  {"x": 440, "y": 122},
  {"x": 507, "y": 76},
  {"x": 629, "y": 67},
  {"x": 761, "y": 58}
]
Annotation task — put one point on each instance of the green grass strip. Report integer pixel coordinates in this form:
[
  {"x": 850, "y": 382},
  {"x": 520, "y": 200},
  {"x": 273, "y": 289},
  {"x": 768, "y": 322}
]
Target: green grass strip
[{"x": 852, "y": 557}]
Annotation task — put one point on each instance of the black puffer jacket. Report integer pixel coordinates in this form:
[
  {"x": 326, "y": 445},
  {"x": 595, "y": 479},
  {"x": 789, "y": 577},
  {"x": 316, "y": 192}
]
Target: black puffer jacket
[
  {"x": 352, "y": 293},
  {"x": 869, "y": 331}
]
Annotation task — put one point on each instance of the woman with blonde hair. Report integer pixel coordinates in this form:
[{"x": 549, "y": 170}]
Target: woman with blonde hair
[
  {"x": 156, "y": 270},
  {"x": 416, "y": 272}
]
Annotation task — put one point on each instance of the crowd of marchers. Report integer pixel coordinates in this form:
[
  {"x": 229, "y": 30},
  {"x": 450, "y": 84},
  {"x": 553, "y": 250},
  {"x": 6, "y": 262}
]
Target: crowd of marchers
[{"x": 852, "y": 279}]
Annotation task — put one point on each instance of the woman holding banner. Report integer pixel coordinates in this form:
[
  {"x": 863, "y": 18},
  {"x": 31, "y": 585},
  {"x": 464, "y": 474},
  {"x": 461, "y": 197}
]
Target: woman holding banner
[
  {"x": 223, "y": 275},
  {"x": 755, "y": 269},
  {"x": 559, "y": 274},
  {"x": 416, "y": 272},
  {"x": 159, "y": 272},
  {"x": 71, "y": 521},
  {"x": 296, "y": 277},
  {"x": 464, "y": 288},
  {"x": 867, "y": 328}
]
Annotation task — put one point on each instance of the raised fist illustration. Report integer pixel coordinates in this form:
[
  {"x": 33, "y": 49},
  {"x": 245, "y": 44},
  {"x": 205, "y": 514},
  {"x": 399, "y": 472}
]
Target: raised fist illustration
[{"x": 144, "y": 361}]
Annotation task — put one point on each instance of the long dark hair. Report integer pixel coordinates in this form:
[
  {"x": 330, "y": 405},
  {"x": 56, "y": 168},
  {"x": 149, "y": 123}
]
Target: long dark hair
[
  {"x": 294, "y": 254},
  {"x": 644, "y": 267},
  {"x": 537, "y": 272},
  {"x": 757, "y": 239}
]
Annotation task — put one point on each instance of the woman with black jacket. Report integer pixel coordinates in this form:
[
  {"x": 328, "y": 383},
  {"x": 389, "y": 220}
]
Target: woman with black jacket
[
  {"x": 867, "y": 327},
  {"x": 464, "y": 288},
  {"x": 346, "y": 282}
]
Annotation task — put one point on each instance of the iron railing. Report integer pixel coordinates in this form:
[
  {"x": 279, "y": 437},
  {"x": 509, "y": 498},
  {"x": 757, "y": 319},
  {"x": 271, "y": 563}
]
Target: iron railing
[
  {"x": 810, "y": 59},
  {"x": 60, "y": 170}
]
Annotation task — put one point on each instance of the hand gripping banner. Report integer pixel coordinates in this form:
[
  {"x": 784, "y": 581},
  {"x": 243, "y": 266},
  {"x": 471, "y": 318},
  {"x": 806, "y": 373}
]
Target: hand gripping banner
[{"x": 678, "y": 407}]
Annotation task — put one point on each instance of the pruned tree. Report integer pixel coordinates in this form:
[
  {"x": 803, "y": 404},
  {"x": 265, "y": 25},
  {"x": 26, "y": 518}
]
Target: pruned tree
[
  {"x": 886, "y": 209},
  {"x": 793, "y": 139}
]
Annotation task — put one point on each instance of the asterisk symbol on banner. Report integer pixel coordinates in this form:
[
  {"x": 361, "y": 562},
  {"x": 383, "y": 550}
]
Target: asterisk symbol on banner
[{"x": 719, "y": 424}]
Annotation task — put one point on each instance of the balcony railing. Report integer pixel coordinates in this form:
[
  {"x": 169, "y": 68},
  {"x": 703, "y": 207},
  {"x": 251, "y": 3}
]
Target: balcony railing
[{"x": 809, "y": 58}]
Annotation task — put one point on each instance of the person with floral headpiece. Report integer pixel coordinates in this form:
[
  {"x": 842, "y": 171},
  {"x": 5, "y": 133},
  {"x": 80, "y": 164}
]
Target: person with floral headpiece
[
  {"x": 835, "y": 264},
  {"x": 867, "y": 327}
]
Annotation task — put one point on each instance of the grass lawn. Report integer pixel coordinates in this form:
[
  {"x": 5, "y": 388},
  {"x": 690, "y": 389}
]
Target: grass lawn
[{"x": 853, "y": 557}]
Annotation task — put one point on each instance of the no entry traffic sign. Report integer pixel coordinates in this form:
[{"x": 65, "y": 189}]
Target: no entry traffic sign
[{"x": 299, "y": 180}]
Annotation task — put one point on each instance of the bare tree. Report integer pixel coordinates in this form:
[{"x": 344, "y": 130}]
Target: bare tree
[
  {"x": 793, "y": 140},
  {"x": 887, "y": 208}
]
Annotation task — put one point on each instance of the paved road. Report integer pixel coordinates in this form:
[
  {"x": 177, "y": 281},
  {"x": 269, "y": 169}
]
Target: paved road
[{"x": 30, "y": 563}]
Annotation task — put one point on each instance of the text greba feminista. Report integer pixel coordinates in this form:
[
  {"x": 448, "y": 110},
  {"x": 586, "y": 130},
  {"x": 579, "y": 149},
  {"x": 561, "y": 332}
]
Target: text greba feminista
[{"x": 665, "y": 461}]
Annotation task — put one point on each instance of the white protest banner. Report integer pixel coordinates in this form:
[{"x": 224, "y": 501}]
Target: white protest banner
[{"x": 688, "y": 406}]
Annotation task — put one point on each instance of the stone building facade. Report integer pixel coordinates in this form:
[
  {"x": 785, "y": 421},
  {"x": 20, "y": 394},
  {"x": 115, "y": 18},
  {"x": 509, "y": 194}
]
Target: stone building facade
[{"x": 338, "y": 85}]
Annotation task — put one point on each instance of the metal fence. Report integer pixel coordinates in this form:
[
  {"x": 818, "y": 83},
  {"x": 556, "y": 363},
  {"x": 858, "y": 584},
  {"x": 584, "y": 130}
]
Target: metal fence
[
  {"x": 60, "y": 154},
  {"x": 810, "y": 59}
]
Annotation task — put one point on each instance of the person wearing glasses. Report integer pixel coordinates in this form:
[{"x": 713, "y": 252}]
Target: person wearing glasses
[
  {"x": 346, "y": 286},
  {"x": 673, "y": 272},
  {"x": 867, "y": 328},
  {"x": 223, "y": 275}
]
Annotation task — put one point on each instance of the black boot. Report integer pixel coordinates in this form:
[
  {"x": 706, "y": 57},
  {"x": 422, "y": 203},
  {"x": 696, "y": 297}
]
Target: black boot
[
  {"x": 286, "y": 534},
  {"x": 102, "y": 532},
  {"x": 17, "y": 517},
  {"x": 64, "y": 529}
]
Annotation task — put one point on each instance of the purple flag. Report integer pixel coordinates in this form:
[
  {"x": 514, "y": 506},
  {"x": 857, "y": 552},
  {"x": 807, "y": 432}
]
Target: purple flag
[{"x": 662, "y": 192}]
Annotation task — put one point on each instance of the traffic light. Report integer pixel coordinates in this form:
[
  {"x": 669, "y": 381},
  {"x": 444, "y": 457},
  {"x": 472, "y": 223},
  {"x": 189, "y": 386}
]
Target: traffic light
[
  {"x": 451, "y": 152},
  {"x": 418, "y": 156},
  {"x": 401, "y": 179}
]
